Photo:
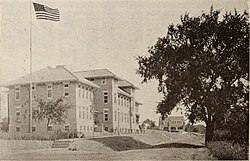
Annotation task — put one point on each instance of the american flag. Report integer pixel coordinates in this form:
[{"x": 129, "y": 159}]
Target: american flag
[{"x": 46, "y": 13}]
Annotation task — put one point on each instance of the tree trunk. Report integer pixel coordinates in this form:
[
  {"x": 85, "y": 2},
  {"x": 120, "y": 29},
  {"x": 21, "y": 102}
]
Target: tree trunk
[
  {"x": 209, "y": 132},
  {"x": 48, "y": 124}
]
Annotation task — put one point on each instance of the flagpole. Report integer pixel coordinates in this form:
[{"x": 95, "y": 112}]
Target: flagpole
[{"x": 30, "y": 94}]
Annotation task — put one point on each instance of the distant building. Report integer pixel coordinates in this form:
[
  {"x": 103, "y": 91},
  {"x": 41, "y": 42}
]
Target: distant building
[
  {"x": 172, "y": 123},
  {"x": 115, "y": 101},
  {"x": 47, "y": 84}
]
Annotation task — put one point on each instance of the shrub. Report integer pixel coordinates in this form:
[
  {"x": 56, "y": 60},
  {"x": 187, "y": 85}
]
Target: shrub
[
  {"x": 222, "y": 135},
  {"x": 60, "y": 134},
  {"x": 228, "y": 150}
]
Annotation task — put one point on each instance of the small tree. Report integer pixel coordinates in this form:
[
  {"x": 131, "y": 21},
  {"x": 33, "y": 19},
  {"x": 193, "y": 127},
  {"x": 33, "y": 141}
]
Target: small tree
[
  {"x": 148, "y": 123},
  {"x": 4, "y": 125},
  {"x": 54, "y": 111}
]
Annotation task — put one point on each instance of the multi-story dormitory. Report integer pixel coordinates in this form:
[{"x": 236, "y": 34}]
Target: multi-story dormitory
[
  {"x": 99, "y": 100},
  {"x": 114, "y": 100}
]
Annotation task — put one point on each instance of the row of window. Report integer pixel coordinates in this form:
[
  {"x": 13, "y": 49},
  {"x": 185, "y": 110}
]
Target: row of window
[
  {"x": 103, "y": 80},
  {"x": 85, "y": 128},
  {"x": 176, "y": 122},
  {"x": 123, "y": 118},
  {"x": 85, "y": 111},
  {"x": 49, "y": 128},
  {"x": 123, "y": 101},
  {"x": 49, "y": 91},
  {"x": 84, "y": 92}
]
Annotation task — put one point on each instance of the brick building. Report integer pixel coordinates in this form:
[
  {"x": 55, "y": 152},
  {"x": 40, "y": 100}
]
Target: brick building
[
  {"x": 48, "y": 84},
  {"x": 114, "y": 100}
]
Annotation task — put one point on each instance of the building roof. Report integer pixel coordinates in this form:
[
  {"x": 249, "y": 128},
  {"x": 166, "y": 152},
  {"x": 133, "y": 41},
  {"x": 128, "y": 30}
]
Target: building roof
[
  {"x": 139, "y": 103},
  {"x": 96, "y": 73},
  {"x": 49, "y": 74},
  {"x": 171, "y": 117},
  {"x": 123, "y": 92},
  {"x": 125, "y": 83}
]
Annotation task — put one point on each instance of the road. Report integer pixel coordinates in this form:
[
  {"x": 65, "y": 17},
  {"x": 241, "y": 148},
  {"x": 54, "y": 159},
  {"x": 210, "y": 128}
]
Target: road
[{"x": 183, "y": 148}]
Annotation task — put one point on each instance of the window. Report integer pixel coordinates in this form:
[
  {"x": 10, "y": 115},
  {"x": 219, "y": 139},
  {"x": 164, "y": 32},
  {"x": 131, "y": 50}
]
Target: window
[
  {"x": 66, "y": 89},
  {"x": 87, "y": 93},
  {"x": 17, "y": 93},
  {"x": 122, "y": 116},
  {"x": 80, "y": 112},
  {"x": 18, "y": 115},
  {"x": 81, "y": 128},
  {"x": 125, "y": 117},
  {"x": 125, "y": 102},
  {"x": 115, "y": 116},
  {"x": 122, "y": 101},
  {"x": 114, "y": 97},
  {"x": 106, "y": 115},
  {"x": 118, "y": 100},
  {"x": 87, "y": 113},
  {"x": 103, "y": 81},
  {"x": 90, "y": 94},
  {"x": 33, "y": 91},
  {"x": 18, "y": 129},
  {"x": 49, "y": 89},
  {"x": 90, "y": 128},
  {"x": 49, "y": 128},
  {"x": 79, "y": 90},
  {"x": 83, "y": 92},
  {"x": 83, "y": 113},
  {"x": 33, "y": 128},
  {"x": 66, "y": 128},
  {"x": 87, "y": 128},
  {"x": 84, "y": 127},
  {"x": 105, "y": 97}
]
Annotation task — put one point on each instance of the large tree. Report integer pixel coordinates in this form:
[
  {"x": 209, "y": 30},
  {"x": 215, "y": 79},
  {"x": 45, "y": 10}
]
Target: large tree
[
  {"x": 203, "y": 64},
  {"x": 53, "y": 111}
]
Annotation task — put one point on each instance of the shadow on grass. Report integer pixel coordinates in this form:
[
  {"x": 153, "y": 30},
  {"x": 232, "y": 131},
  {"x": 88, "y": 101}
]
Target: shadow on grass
[{"x": 122, "y": 143}]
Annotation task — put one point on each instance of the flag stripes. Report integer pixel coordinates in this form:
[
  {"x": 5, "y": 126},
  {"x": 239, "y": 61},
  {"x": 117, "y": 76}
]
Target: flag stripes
[{"x": 46, "y": 13}]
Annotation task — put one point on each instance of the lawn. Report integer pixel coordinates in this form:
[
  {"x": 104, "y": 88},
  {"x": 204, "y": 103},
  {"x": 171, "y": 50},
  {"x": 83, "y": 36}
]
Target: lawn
[{"x": 150, "y": 146}]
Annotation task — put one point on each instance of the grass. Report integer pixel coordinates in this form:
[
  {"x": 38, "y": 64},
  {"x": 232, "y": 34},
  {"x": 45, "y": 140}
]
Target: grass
[
  {"x": 24, "y": 136},
  {"x": 122, "y": 143},
  {"x": 227, "y": 150}
]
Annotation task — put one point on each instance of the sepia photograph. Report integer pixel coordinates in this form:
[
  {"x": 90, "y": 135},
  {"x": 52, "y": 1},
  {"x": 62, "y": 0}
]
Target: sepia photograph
[{"x": 124, "y": 79}]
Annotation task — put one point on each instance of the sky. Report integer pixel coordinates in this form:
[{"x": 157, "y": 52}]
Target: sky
[{"x": 94, "y": 34}]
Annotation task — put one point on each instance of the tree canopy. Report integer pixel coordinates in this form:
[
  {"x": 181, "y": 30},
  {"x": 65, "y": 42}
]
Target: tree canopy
[
  {"x": 54, "y": 111},
  {"x": 149, "y": 124},
  {"x": 203, "y": 64}
]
